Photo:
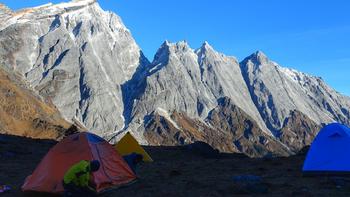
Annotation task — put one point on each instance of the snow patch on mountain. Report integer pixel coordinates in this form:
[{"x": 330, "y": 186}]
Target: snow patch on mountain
[{"x": 165, "y": 114}]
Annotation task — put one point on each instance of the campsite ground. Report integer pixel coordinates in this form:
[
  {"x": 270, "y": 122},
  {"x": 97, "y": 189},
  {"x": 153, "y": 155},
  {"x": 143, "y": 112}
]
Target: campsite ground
[{"x": 179, "y": 172}]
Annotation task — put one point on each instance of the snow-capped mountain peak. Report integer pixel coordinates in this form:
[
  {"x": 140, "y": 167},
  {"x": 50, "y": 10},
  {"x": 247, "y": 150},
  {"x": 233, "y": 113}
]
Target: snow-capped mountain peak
[
  {"x": 4, "y": 9},
  {"x": 65, "y": 5},
  {"x": 76, "y": 49},
  {"x": 181, "y": 46},
  {"x": 258, "y": 58},
  {"x": 47, "y": 11},
  {"x": 206, "y": 46}
]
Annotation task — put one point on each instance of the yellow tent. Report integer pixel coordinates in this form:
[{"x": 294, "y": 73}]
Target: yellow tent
[{"x": 128, "y": 144}]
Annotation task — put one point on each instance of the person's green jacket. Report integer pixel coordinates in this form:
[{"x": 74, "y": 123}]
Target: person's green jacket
[{"x": 78, "y": 174}]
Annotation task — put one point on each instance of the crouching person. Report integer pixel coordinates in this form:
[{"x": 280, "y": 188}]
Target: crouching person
[
  {"x": 77, "y": 178},
  {"x": 133, "y": 160}
]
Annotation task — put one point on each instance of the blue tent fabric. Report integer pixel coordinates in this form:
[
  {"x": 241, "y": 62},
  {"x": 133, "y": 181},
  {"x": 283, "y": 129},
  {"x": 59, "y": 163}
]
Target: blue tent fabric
[
  {"x": 94, "y": 138},
  {"x": 330, "y": 150}
]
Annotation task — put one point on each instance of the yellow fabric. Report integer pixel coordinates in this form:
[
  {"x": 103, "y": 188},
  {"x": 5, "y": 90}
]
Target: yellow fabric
[
  {"x": 78, "y": 174},
  {"x": 128, "y": 144}
]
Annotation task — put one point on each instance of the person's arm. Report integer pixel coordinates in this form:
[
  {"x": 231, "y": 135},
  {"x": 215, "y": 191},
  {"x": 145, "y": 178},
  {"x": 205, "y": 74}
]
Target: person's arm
[
  {"x": 84, "y": 181},
  {"x": 91, "y": 188}
]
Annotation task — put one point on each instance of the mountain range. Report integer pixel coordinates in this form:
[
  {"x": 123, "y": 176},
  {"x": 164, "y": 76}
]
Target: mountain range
[{"x": 85, "y": 61}]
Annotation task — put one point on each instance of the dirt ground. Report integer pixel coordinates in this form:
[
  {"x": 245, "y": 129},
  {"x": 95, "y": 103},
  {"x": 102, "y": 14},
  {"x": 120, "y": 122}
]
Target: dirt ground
[{"x": 178, "y": 172}]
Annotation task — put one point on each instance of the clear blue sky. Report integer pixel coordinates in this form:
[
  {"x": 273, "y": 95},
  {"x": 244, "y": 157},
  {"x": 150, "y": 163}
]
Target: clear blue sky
[{"x": 312, "y": 36}]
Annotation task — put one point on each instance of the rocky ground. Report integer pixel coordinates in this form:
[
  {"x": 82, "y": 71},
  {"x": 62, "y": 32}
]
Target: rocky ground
[{"x": 176, "y": 171}]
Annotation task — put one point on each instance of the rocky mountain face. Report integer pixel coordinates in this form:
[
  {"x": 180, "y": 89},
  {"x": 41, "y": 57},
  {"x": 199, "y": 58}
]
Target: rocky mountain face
[
  {"x": 77, "y": 55},
  {"x": 85, "y": 60},
  {"x": 276, "y": 91},
  {"x": 298, "y": 131},
  {"x": 190, "y": 82},
  {"x": 244, "y": 132},
  {"x": 258, "y": 106},
  {"x": 23, "y": 113}
]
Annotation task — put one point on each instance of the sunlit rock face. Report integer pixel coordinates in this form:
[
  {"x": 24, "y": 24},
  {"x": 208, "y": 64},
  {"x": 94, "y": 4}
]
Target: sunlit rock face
[
  {"x": 278, "y": 91},
  {"x": 86, "y": 62},
  {"x": 75, "y": 54}
]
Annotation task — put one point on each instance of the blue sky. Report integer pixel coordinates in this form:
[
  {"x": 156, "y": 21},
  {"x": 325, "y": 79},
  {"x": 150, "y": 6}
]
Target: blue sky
[{"x": 312, "y": 36}]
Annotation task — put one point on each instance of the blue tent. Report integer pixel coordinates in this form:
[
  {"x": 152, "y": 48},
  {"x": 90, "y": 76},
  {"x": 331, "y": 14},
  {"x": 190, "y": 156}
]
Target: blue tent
[{"x": 330, "y": 151}]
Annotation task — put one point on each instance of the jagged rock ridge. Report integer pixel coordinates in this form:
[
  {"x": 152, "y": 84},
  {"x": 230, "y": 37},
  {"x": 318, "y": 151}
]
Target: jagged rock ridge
[
  {"x": 277, "y": 91},
  {"x": 77, "y": 55},
  {"x": 291, "y": 105},
  {"x": 85, "y": 60},
  {"x": 191, "y": 81}
]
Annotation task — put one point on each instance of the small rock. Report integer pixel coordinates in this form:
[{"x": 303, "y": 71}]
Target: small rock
[
  {"x": 174, "y": 173},
  {"x": 339, "y": 182},
  {"x": 249, "y": 184},
  {"x": 302, "y": 191},
  {"x": 247, "y": 178}
]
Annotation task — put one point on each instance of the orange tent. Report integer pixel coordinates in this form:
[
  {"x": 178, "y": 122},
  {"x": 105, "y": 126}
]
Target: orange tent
[{"x": 48, "y": 175}]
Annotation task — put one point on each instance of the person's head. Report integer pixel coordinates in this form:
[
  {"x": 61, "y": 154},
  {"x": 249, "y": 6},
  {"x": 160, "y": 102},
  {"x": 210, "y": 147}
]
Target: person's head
[
  {"x": 94, "y": 165},
  {"x": 138, "y": 158}
]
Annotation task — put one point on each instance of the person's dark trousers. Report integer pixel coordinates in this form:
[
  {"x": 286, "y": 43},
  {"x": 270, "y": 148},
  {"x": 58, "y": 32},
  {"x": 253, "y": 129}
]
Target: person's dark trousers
[
  {"x": 71, "y": 190},
  {"x": 130, "y": 161}
]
